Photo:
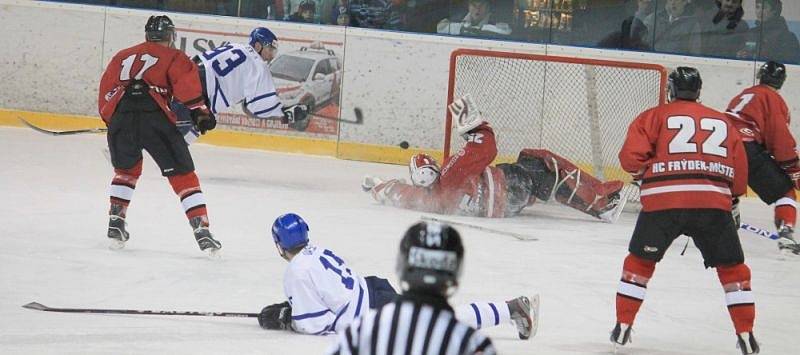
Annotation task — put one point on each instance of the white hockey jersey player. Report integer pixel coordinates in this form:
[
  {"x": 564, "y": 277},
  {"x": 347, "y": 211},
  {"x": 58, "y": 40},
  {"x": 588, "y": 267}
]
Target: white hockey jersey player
[
  {"x": 325, "y": 295},
  {"x": 237, "y": 73}
]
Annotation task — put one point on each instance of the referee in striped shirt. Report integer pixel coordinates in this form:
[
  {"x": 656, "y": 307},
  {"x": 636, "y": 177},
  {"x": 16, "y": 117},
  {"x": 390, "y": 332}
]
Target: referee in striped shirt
[{"x": 420, "y": 321}]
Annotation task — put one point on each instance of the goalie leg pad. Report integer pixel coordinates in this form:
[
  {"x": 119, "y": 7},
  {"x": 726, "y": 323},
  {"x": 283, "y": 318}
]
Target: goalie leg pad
[
  {"x": 519, "y": 187},
  {"x": 542, "y": 178},
  {"x": 567, "y": 183},
  {"x": 764, "y": 175}
]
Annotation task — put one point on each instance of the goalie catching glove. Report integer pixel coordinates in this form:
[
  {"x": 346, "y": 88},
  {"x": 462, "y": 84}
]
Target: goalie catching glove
[
  {"x": 465, "y": 114},
  {"x": 203, "y": 119},
  {"x": 276, "y": 317},
  {"x": 294, "y": 113}
]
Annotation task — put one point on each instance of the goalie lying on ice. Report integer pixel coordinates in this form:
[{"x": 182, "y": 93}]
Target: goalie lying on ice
[{"x": 468, "y": 185}]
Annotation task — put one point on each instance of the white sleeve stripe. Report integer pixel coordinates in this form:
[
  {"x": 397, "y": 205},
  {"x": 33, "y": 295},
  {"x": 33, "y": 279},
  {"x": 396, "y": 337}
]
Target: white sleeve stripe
[
  {"x": 311, "y": 315},
  {"x": 260, "y": 97},
  {"x": 267, "y": 110}
]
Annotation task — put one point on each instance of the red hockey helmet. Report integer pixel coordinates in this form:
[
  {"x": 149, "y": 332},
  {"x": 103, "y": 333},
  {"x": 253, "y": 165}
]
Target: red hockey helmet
[{"x": 423, "y": 169}]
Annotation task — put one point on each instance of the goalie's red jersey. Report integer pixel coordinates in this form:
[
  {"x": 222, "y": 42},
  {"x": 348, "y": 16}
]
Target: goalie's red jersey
[
  {"x": 467, "y": 185},
  {"x": 168, "y": 71},
  {"x": 690, "y": 156},
  {"x": 761, "y": 115}
]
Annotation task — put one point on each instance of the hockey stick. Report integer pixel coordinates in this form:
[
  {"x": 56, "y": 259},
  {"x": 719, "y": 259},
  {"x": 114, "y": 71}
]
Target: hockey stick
[
  {"x": 62, "y": 133},
  {"x": 759, "y": 231},
  {"x": 517, "y": 236},
  {"x": 40, "y": 307}
]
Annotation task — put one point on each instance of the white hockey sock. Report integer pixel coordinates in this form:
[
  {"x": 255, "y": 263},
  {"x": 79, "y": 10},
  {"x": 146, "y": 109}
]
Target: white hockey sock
[{"x": 483, "y": 314}]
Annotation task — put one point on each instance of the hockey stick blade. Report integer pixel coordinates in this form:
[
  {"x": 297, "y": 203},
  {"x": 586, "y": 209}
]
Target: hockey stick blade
[
  {"x": 359, "y": 115},
  {"x": 62, "y": 133},
  {"x": 40, "y": 307},
  {"x": 516, "y": 236},
  {"x": 36, "y": 306}
]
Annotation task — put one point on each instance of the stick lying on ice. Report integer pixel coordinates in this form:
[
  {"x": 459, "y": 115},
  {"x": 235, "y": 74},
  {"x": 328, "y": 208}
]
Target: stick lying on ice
[
  {"x": 40, "y": 307},
  {"x": 480, "y": 228},
  {"x": 62, "y": 133}
]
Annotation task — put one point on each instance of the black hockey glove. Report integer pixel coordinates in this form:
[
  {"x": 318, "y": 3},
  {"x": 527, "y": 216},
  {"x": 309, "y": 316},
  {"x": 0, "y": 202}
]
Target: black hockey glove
[
  {"x": 737, "y": 217},
  {"x": 203, "y": 119},
  {"x": 276, "y": 317},
  {"x": 294, "y": 113}
]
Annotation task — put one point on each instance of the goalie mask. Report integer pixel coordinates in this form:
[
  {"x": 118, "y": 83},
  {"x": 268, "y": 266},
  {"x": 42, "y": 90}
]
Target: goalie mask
[{"x": 423, "y": 169}]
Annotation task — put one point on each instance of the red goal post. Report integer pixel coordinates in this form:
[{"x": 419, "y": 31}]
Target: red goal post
[{"x": 579, "y": 108}]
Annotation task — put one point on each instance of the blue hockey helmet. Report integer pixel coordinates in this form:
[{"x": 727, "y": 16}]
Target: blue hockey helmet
[
  {"x": 289, "y": 232},
  {"x": 264, "y": 36}
]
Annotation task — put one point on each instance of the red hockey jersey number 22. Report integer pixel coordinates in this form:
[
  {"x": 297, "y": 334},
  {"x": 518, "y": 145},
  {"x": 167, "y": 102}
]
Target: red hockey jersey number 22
[{"x": 688, "y": 155}]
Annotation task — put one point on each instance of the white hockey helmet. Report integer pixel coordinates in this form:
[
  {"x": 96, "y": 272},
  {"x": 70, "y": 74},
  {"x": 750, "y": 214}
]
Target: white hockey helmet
[{"x": 423, "y": 169}]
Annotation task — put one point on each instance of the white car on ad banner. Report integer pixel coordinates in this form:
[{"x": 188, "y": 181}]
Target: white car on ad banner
[{"x": 310, "y": 76}]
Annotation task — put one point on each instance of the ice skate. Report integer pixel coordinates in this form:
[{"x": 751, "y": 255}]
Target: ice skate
[
  {"x": 747, "y": 343},
  {"x": 205, "y": 240},
  {"x": 116, "y": 232},
  {"x": 525, "y": 314},
  {"x": 620, "y": 335},
  {"x": 786, "y": 242}
]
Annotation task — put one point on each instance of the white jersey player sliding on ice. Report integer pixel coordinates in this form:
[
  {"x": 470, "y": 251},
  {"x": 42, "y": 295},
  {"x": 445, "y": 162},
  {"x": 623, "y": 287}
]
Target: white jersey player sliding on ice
[
  {"x": 235, "y": 73},
  {"x": 325, "y": 296}
]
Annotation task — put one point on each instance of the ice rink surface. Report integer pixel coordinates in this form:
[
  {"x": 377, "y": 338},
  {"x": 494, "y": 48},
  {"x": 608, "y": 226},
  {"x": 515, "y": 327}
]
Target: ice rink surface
[{"x": 53, "y": 219}]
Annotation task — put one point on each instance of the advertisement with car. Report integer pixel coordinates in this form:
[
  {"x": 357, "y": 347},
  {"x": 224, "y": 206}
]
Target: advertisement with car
[{"x": 305, "y": 71}]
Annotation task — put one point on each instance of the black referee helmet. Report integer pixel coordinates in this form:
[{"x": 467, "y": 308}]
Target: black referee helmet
[{"x": 430, "y": 259}]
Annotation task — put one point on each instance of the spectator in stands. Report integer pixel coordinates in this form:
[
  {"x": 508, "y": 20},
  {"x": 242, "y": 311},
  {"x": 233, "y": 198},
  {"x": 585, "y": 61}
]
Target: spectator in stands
[
  {"x": 306, "y": 12},
  {"x": 723, "y": 31},
  {"x": 397, "y": 15},
  {"x": 479, "y": 21},
  {"x": 633, "y": 34},
  {"x": 675, "y": 29},
  {"x": 340, "y": 13},
  {"x": 292, "y": 7},
  {"x": 325, "y": 11},
  {"x": 771, "y": 38}
]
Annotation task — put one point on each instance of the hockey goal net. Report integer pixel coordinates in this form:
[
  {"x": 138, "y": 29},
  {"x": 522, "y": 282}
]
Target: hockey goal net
[{"x": 578, "y": 108}]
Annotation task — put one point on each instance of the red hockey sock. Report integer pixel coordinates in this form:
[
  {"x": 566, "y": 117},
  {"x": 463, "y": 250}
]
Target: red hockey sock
[
  {"x": 636, "y": 272},
  {"x": 786, "y": 209},
  {"x": 122, "y": 187},
  {"x": 735, "y": 280},
  {"x": 187, "y": 187}
]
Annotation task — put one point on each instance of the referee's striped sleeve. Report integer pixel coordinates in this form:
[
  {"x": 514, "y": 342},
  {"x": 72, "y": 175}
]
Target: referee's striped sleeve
[{"x": 410, "y": 328}]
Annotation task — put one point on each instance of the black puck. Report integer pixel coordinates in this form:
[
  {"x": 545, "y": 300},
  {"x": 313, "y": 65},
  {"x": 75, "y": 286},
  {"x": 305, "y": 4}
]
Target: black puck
[{"x": 404, "y": 145}]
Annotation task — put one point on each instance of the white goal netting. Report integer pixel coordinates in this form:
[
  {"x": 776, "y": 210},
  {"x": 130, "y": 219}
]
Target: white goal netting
[{"x": 578, "y": 108}]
